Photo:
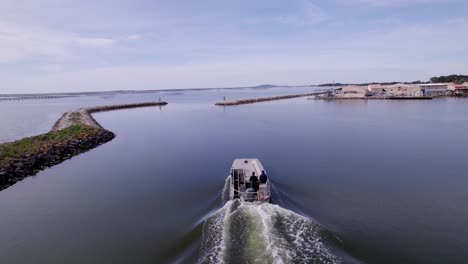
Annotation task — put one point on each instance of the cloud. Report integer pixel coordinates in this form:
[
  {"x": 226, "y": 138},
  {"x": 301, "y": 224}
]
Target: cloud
[
  {"x": 20, "y": 43},
  {"x": 96, "y": 42},
  {"x": 298, "y": 13},
  {"x": 219, "y": 44},
  {"x": 307, "y": 13},
  {"x": 428, "y": 41},
  {"x": 51, "y": 67},
  {"x": 134, "y": 37},
  {"x": 26, "y": 43},
  {"x": 405, "y": 54}
]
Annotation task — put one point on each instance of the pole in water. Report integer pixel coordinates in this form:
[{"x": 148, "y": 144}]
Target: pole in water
[
  {"x": 159, "y": 99},
  {"x": 224, "y": 98}
]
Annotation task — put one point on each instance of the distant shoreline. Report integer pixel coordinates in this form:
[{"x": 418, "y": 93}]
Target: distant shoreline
[{"x": 71, "y": 94}]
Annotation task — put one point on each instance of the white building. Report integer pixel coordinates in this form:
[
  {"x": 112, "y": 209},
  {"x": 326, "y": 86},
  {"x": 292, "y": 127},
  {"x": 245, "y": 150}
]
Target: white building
[
  {"x": 375, "y": 88},
  {"x": 353, "y": 91},
  {"x": 434, "y": 88},
  {"x": 458, "y": 88},
  {"x": 403, "y": 90}
]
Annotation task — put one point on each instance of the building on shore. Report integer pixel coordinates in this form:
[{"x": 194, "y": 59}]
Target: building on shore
[
  {"x": 403, "y": 90},
  {"x": 353, "y": 91},
  {"x": 434, "y": 89},
  {"x": 458, "y": 89},
  {"x": 376, "y": 88}
]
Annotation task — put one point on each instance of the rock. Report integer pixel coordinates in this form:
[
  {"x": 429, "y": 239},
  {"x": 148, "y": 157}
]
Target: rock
[
  {"x": 10, "y": 169},
  {"x": 21, "y": 173},
  {"x": 19, "y": 164},
  {"x": 33, "y": 161}
]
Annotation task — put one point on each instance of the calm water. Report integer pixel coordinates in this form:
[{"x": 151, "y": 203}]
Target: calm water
[{"x": 354, "y": 182}]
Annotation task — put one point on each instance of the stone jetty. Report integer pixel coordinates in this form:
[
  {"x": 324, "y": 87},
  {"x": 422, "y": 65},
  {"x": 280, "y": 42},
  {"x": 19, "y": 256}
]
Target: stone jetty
[
  {"x": 74, "y": 133},
  {"x": 84, "y": 115},
  {"x": 266, "y": 99}
]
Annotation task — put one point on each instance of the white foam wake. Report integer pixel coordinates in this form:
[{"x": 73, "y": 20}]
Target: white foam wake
[
  {"x": 225, "y": 191},
  {"x": 267, "y": 233}
]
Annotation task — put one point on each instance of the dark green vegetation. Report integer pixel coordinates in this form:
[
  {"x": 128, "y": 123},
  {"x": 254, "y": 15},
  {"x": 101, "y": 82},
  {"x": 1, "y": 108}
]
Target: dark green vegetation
[
  {"x": 454, "y": 78},
  {"x": 39, "y": 144}
]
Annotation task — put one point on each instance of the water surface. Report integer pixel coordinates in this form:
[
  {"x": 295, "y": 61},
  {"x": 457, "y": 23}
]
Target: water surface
[{"x": 353, "y": 181}]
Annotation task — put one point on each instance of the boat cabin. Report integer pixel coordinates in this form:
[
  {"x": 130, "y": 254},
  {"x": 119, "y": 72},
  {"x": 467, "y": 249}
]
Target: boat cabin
[{"x": 241, "y": 185}]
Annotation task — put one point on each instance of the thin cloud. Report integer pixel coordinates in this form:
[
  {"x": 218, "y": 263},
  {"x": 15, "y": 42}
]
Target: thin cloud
[
  {"x": 307, "y": 13},
  {"x": 134, "y": 37},
  {"x": 96, "y": 42},
  {"x": 300, "y": 13},
  {"x": 20, "y": 43}
]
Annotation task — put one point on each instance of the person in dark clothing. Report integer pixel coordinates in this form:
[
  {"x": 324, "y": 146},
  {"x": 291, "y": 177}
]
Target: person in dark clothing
[
  {"x": 263, "y": 177},
  {"x": 254, "y": 182},
  {"x": 253, "y": 178},
  {"x": 255, "y": 185}
]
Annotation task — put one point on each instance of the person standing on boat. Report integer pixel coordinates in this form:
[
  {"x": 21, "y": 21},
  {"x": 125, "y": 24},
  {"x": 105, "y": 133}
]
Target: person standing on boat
[
  {"x": 263, "y": 177},
  {"x": 254, "y": 182}
]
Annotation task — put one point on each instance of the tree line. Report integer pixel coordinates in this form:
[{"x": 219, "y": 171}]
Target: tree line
[{"x": 454, "y": 78}]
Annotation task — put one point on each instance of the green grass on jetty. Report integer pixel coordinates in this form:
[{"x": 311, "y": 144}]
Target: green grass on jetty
[{"x": 42, "y": 143}]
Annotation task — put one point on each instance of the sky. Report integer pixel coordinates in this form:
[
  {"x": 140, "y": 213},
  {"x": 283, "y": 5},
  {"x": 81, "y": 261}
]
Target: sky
[{"x": 88, "y": 45}]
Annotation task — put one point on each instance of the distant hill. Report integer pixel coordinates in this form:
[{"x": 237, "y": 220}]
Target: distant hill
[
  {"x": 265, "y": 86},
  {"x": 454, "y": 78}
]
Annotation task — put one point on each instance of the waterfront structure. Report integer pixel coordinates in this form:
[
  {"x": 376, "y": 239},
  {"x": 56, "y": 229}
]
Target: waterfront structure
[
  {"x": 403, "y": 90},
  {"x": 353, "y": 91},
  {"x": 376, "y": 88},
  {"x": 458, "y": 89},
  {"x": 433, "y": 89}
]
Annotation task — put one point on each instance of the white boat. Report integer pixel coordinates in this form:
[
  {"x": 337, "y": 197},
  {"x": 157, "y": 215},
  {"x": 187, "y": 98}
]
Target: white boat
[{"x": 241, "y": 186}]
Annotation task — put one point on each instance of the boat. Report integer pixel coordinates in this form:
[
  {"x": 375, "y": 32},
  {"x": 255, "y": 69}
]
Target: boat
[{"x": 240, "y": 185}]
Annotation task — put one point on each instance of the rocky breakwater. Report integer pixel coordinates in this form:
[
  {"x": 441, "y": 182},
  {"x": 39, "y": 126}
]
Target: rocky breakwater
[
  {"x": 266, "y": 99},
  {"x": 74, "y": 133}
]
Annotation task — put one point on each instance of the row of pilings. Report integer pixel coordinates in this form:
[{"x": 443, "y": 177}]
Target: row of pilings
[{"x": 42, "y": 97}]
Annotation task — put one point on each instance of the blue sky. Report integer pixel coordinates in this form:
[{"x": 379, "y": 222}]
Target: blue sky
[{"x": 64, "y": 45}]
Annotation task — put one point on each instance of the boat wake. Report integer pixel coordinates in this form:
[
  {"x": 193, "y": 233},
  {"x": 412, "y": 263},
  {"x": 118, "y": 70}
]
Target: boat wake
[{"x": 266, "y": 233}]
